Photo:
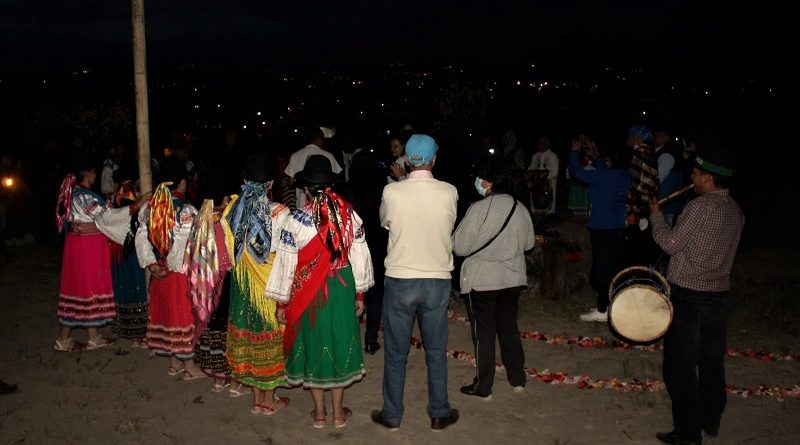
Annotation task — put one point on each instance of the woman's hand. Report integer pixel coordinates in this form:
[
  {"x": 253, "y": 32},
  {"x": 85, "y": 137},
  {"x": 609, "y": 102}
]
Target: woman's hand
[
  {"x": 359, "y": 307},
  {"x": 280, "y": 315},
  {"x": 397, "y": 170},
  {"x": 157, "y": 271}
]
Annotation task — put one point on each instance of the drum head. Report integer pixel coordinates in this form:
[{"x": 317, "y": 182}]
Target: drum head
[{"x": 640, "y": 313}]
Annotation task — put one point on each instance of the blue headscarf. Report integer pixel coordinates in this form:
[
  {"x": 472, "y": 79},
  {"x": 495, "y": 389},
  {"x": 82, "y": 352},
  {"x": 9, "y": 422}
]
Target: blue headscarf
[{"x": 251, "y": 223}]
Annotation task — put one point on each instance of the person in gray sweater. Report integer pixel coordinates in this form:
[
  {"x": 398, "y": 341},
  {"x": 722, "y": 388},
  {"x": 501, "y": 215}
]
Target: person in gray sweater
[{"x": 494, "y": 236}]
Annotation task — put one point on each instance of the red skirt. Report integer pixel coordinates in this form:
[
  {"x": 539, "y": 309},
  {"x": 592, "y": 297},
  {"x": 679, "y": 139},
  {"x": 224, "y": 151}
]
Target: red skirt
[
  {"x": 86, "y": 299},
  {"x": 170, "y": 327}
]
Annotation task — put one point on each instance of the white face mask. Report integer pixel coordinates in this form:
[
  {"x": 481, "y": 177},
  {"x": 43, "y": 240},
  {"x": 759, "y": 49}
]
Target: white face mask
[{"x": 478, "y": 187}]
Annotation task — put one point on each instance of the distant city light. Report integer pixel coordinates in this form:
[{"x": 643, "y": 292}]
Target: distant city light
[
  {"x": 388, "y": 132},
  {"x": 196, "y": 107},
  {"x": 244, "y": 127},
  {"x": 644, "y": 113},
  {"x": 519, "y": 83},
  {"x": 263, "y": 122},
  {"x": 295, "y": 130},
  {"x": 258, "y": 113},
  {"x": 219, "y": 106},
  {"x": 195, "y": 89},
  {"x": 491, "y": 151}
]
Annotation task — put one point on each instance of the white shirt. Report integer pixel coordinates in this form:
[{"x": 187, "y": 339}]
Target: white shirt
[
  {"x": 298, "y": 161},
  {"x": 545, "y": 160}
]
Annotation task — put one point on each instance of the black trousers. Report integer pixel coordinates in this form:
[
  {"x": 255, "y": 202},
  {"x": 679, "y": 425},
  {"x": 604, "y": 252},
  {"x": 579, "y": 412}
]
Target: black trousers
[
  {"x": 373, "y": 302},
  {"x": 694, "y": 360},
  {"x": 606, "y": 251},
  {"x": 494, "y": 313}
]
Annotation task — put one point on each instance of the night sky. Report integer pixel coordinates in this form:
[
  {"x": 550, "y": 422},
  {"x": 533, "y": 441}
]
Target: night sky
[{"x": 41, "y": 34}]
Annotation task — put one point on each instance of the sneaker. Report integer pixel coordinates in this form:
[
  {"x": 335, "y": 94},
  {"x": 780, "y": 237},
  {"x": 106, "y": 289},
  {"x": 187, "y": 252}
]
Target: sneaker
[
  {"x": 519, "y": 389},
  {"x": 595, "y": 315}
]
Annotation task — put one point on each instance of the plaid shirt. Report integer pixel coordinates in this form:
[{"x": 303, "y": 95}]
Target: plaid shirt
[{"x": 703, "y": 242}]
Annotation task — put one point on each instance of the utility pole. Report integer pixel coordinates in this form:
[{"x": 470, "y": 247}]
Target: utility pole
[{"x": 140, "y": 81}]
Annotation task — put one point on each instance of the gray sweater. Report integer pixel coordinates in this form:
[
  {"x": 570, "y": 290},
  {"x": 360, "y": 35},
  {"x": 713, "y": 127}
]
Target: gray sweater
[{"x": 500, "y": 265}]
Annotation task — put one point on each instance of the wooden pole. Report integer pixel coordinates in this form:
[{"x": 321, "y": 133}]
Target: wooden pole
[{"x": 140, "y": 81}]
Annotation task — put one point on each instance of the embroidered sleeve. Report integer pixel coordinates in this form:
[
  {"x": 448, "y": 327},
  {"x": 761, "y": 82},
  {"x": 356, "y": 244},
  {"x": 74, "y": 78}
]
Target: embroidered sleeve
[
  {"x": 144, "y": 250},
  {"x": 360, "y": 259},
  {"x": 184, "y": 225}
]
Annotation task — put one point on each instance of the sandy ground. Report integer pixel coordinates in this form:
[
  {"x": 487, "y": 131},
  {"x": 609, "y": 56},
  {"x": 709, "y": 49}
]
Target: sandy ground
[{"x": 122, "y": 395}]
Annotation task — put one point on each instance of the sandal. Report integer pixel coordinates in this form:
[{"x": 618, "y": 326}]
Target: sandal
[
  {"x": 68, "y": 346},
  {"x": 239, "y": 390},
  {"x": 282, "y": 402},
  {"x": 319, "y": 422},
  {"x": 341, "y": 421},
  {"x": 175, "y": 371},
  {"x": 98, "y": 342},
  {"x": 219, "y": 386},
  {"x": 189, "y": 376}
]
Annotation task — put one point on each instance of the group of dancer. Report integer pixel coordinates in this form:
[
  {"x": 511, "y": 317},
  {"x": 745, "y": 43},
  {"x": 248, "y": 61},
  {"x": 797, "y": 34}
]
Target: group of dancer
[{"x": 247, "y": 292}]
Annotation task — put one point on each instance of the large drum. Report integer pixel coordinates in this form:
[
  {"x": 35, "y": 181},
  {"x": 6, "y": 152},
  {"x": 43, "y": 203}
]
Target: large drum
[{"x": 639, "y": 309}]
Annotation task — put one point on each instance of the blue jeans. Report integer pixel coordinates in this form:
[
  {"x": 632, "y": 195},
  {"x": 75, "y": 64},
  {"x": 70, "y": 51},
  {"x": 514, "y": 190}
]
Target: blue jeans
[{"x": 404, "y": 300}]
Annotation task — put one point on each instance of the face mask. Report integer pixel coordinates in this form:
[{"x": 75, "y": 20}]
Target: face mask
[{"x": 481, "y": 190}]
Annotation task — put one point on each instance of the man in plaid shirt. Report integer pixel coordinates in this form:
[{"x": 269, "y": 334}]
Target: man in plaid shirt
[{"x": 703, "y": 245}]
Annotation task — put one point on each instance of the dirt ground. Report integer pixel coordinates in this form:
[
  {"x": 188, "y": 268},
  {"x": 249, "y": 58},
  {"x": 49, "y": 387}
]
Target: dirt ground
[{"x": 122, "y": 395}]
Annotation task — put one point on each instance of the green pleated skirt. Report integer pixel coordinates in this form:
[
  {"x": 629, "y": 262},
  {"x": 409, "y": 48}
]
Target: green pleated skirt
[{"x": 327, "y": 350}]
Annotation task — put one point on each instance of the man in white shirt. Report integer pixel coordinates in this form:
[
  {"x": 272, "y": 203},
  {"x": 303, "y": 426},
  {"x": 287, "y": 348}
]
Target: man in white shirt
[
  {"x": 110, "y": 165},
  {"x": 545, "y": 159},
  {"x": 298, "y": 161},
  {"x": 419, "y": 213}
]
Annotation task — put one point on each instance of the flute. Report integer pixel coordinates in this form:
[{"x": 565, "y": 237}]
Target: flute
[{"x": 675, "y": 194}]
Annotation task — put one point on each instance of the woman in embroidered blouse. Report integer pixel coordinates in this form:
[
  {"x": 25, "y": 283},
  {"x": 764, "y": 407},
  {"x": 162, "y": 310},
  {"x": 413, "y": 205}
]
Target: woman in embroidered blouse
[
  {"x": 165, "y": 224},
  {"x": 321, "y": 271},
  {"x": 86, "y": 299},
  {"x": 255, "y": 338}
]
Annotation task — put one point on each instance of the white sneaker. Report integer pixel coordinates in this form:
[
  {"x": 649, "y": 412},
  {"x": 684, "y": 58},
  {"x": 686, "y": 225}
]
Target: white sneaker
[
  {"x": 519, "y": 389},
  {"x": 595, "y": 315}
]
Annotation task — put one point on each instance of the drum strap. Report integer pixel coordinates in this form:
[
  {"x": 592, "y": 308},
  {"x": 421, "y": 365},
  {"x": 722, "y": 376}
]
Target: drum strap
[{"x": 505, "y": 223}]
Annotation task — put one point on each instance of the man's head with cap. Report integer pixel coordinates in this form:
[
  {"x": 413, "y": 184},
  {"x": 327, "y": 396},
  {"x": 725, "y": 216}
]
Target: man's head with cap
[
  {"x": 421, "y": 150},
  {"x": 716, "y": 162}
]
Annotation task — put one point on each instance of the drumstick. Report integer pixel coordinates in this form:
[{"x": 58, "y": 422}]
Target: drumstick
[{"x": 675, "y": 194}]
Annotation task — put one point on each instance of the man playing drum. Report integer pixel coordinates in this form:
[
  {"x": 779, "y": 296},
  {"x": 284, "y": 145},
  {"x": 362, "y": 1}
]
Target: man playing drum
[{"x": 702, "y": 244}]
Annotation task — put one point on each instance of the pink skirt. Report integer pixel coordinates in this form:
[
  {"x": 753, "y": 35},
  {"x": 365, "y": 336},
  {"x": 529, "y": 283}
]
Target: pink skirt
[
  {"x": 87, "y": 298},
  {"x": 170, "y": 327}
]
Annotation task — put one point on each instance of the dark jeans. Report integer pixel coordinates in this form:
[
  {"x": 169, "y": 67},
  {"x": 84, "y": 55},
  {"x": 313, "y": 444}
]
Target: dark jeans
[
  {"x": 494, "y": 313},
  {"x": 694, "y": 360},
  {"x": 407, "y": 300},
  {"x": 606, "y": 249}
]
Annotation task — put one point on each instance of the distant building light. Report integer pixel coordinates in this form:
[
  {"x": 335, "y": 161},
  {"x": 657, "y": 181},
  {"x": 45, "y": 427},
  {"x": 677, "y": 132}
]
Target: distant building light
[
  {"x": 491, "y": 151},
  {"x": 258, "y": 113},
  {"x": 263, "y": 122},
  {"x": 219, "y": 106},
  {"x": 644, "y": 113},
  {"x": 295, "y": 130},
  {"x": 244, "y": 127},
  {"x": 519, "y": 83}
]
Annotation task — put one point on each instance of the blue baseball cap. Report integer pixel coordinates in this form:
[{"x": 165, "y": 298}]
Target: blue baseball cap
[
  {"x": 642, "y": 132},
  {"x": 420, "y": 149}
]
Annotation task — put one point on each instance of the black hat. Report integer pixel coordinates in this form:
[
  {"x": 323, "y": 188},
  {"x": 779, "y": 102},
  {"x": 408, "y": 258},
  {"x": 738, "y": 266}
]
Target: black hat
[
  {"x": 317, "y": 171},
  {"x": 82, "y": 162},
  {"x": 259, "y": 168},
  {"x": 714, "y": 159}
]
